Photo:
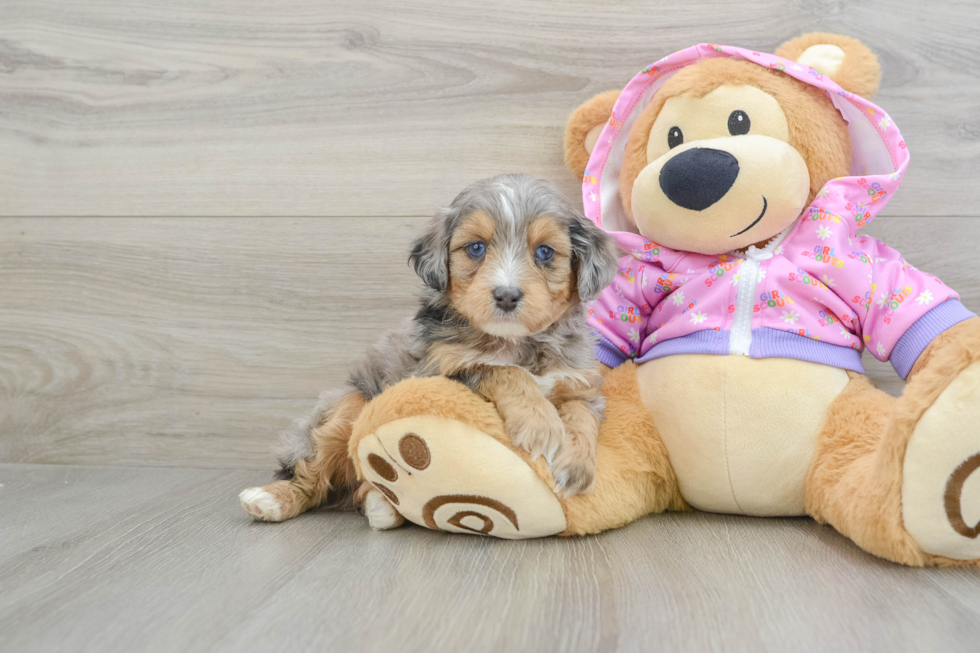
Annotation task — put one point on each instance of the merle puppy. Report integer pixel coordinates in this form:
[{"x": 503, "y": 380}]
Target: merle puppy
[{"x": 507, "y": 268}]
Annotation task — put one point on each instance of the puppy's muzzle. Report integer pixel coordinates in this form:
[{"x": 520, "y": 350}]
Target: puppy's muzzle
[
  {"x": 699, "y": 177},
  {"x": 507, "y": 299}
]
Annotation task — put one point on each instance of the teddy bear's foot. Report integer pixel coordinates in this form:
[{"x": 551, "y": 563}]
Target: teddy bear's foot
[
  {"x": 443, "y": 474},
  {"x": 941, "y": 475}
]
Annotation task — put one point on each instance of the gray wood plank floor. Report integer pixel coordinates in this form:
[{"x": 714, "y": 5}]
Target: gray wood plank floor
[{"x": 124, "y": 559}]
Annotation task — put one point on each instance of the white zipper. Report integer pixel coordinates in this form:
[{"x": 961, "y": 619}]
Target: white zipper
[{"x": 740, "y": 340}]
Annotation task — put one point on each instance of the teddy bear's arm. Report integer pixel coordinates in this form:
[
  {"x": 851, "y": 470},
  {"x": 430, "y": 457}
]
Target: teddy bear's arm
[
  {"x": 901, "y": 309},
  {"x": 622, "y": 314},
  {"x": 945, "y": 339}
]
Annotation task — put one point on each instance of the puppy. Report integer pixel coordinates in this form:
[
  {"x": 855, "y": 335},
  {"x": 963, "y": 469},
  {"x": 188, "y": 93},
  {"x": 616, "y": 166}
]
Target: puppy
[{"x": 506, "y": 269}]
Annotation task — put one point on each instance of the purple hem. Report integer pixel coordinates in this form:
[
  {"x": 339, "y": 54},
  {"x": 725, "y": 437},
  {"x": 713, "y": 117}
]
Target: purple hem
[
  {"x": 923, "y": 331},
  {"x": 773, "y": 343},
  {"x": 609, "y": 354},
  {"x": 766, "y": 343},
  {"x": 708, "y": 341}
]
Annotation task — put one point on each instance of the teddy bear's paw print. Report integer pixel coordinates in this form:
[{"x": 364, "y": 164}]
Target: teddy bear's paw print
[
  {"x": 446, "y": 475},
  {"x": 941, "y": 476},
  {"x": 963, "y": 495}
]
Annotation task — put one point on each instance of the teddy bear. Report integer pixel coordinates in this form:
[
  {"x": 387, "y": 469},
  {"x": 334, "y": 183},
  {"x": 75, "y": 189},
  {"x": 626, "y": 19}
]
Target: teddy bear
[{"x": 735, "y": 182}]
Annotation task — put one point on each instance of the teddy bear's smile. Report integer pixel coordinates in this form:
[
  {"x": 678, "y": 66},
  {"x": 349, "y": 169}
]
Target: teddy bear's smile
[{"x": 765, "y": 205}]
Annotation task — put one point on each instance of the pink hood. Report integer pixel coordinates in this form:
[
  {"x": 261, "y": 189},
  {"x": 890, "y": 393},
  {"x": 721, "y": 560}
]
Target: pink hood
[{"x": 819, "y": 292}]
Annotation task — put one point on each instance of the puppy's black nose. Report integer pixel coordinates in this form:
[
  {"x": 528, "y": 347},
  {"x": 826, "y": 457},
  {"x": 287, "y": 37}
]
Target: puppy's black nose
[
  {"x": 699, "y": 177},
  {"x": 507, "y": 299}
]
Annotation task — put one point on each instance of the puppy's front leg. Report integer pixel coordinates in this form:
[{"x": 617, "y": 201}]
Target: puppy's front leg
[
  {"x": 532, "y": 422},
  {"x": 574, "y": 465}
]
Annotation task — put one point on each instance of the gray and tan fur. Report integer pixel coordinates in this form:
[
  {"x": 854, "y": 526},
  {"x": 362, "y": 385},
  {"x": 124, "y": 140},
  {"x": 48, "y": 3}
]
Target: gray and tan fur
[{"x": 500, "y": 346}]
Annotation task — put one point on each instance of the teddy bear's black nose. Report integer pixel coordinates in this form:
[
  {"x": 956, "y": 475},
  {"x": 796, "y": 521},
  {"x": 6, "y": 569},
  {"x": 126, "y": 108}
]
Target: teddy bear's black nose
[{"x": 697, "y": 178}]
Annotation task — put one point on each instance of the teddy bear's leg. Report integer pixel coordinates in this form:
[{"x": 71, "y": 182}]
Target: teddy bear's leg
[
  {"x": 897, "y": 475},
  {"x": 941, "y": 471},
  {"x": 854, "y": 483},
  {"x": 440, "y": 455}
]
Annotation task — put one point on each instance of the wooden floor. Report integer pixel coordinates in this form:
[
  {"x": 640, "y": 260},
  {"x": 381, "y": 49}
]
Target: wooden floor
[
  {"x": 122, "y": 559},
  {"x": 206, "y": 208}
]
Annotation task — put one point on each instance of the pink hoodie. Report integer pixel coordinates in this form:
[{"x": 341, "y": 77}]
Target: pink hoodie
[{"x": 818, "y": 292}]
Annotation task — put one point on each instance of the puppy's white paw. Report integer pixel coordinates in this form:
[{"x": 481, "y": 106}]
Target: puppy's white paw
[
  {"x": 260, "y": 504},
  {"x": 380, "y": 514}
]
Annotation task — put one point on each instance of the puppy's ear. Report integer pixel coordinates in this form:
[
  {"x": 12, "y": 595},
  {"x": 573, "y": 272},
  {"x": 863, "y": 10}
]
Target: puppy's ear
[
  {"x": 430, "y": 251},
  {"x": 595, "y": 256},
  {"x": 845, "y": 60}
]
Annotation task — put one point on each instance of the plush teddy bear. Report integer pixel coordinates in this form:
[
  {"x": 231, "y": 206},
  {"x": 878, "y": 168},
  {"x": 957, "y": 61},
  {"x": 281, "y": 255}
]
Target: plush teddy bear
[{"x": 735, "y": 182}]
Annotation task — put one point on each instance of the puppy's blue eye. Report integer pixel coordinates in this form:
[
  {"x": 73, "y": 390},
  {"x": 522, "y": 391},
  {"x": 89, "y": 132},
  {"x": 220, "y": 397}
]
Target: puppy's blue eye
[
  {"x": 544, "y": 254},
  {"x": 476, "y": 250}
]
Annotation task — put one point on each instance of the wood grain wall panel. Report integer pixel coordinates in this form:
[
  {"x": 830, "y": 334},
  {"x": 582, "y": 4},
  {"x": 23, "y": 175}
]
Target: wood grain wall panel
[
  {"x": 193, "y": 341},
  {"x": 386, "y": 108}
]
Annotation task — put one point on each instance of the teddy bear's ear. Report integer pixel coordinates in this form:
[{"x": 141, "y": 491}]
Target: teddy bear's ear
[
  {"x": 583, "y": 129},
  {"x": 845, "y": 60}
]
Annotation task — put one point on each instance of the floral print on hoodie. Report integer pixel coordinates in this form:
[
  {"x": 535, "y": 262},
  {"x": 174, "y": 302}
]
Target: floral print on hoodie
[{"x": 822, "y": 293}]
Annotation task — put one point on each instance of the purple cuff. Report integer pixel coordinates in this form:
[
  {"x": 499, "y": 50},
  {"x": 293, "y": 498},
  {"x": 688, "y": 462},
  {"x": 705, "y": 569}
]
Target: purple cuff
[
  {"x": 609, "y": 354},
  {"x": 923, "y": 331}
]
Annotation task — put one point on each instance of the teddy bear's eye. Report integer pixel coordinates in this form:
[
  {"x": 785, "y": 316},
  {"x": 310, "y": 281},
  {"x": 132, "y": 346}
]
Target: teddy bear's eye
[
  {"x": 738, "y": 123},
  {"x": 675, "y": 137}
]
